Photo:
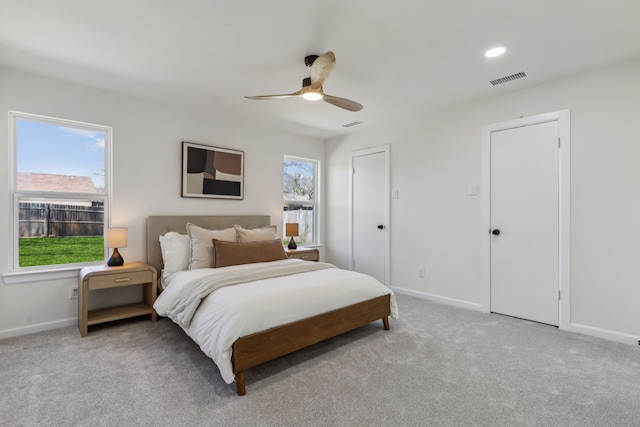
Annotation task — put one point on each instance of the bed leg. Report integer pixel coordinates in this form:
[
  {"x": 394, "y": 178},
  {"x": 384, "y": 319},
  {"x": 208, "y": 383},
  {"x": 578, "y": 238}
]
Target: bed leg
[
  {"x": 385, "y": 322},
  {"x": 240, "y": 384}
]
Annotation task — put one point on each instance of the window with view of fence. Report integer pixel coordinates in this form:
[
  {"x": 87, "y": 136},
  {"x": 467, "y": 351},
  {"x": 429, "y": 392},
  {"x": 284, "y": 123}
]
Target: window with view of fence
[
  {"x": 300, "y": 197},
  {"x": 60, "y": 183}
]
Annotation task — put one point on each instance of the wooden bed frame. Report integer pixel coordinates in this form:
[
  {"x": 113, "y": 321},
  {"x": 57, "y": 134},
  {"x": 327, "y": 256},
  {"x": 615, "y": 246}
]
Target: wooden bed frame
[{"x": 261, "y": 347}]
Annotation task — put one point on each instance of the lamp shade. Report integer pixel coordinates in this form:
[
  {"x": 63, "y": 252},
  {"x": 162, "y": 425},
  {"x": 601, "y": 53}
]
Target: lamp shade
[
  {"x": 291, "y": 229},
  {"x": 116, "y": 237}
]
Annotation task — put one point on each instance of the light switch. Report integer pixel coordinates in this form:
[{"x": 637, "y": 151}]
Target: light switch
[
  {"x": 473, "y": 189},
  {"x": 395, "y": 194}
]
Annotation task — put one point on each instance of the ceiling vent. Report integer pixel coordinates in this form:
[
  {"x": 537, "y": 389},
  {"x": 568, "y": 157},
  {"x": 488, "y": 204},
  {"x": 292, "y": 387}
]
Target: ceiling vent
[
  {"x": 348, "y": 125},
  {"x": 505, "y": 79}
]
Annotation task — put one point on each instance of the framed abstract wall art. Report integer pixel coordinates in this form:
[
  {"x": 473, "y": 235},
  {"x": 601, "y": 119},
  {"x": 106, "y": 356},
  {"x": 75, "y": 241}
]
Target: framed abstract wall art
[{"x": 212, "y": 172}]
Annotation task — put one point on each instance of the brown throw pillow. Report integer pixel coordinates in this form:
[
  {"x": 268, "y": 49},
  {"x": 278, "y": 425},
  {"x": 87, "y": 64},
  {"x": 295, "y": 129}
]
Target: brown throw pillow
[{"x": 228, "y": 253}]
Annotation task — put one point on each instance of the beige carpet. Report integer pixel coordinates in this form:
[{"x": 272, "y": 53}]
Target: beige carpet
[{"x": 438, "y": 365}]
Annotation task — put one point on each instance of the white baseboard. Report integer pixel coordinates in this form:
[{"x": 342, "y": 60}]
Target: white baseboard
[
  {"x": 438, "y": 298},
  {"x": 604, "y": 333},
  {"x": 573, "y": 327},
  {"x": 32, "y": 329}
]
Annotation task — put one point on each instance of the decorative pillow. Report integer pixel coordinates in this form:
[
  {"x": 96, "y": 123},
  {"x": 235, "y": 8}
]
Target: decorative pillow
[
  {"x": 246, "y": 235},
  {"x": 227, "y": 253},
  {"x": 201, "y": 247},
  {"x": 175, "y": 253}
]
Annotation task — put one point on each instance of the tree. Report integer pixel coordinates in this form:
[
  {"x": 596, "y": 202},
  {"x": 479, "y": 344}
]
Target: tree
[{"x": 298, "y": 178}]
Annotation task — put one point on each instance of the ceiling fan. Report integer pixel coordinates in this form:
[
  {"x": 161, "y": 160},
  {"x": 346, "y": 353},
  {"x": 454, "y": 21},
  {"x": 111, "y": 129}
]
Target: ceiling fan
[{"x": 320, "y": 66}]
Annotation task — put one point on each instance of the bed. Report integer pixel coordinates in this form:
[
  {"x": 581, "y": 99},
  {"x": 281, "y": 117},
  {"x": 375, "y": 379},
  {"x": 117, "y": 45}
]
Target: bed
[{"x": 292, "y": 311}]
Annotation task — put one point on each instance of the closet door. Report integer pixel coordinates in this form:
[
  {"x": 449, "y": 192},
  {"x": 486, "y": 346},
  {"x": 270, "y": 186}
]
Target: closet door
[{"x": 525, "y": 222}]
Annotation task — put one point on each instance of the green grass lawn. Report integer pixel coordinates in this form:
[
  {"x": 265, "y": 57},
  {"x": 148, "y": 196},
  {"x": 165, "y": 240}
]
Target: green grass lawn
[{"x": 60, "y": 250}]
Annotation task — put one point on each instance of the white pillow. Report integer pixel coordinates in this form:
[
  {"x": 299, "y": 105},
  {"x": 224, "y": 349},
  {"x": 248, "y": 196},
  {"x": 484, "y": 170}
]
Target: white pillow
[
  {"x": 175, "y": 253},
  {"x": 246, "y": 235},
  {"x": 201, "y": 244}
]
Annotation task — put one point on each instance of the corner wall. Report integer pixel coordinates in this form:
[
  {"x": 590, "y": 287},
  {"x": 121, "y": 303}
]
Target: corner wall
[{"x": 436, "y": 224}]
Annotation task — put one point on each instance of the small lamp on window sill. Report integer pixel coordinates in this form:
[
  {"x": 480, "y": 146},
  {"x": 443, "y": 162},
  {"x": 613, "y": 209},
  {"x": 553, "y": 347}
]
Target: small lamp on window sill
[
  {"x": 116, "y": 238},
  {"x": 291, "y": 230}
]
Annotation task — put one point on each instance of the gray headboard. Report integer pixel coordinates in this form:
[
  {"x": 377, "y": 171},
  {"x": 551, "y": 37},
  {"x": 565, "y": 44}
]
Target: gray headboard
[{"x": 159, "y": 225}]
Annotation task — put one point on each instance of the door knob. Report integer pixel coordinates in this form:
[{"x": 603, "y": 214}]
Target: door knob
[
  {"x": 380, "y": 227},
  {"x": 495, "y": 231}
]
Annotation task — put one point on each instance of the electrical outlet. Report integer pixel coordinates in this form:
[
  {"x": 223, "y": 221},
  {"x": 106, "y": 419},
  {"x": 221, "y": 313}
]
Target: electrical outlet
[
  {"x": 73, "y": 292},
  {"x": 421, "y": 272}
]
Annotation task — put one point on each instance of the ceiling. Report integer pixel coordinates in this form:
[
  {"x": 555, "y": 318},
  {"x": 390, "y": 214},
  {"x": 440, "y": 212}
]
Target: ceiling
[{"x": 398, "y": 58}]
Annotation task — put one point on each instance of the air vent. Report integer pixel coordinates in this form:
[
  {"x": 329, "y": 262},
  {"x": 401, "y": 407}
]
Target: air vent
[
  {"x": 348, "y": 125},
  {"x": 505, "y": 79}
]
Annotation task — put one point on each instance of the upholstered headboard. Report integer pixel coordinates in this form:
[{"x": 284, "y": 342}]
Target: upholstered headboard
[{"x": 159, "y": 225}]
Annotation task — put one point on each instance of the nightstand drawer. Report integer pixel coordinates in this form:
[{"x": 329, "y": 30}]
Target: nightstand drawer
[
  {"x": 305, "y": 254},
  {"x": 120, "y": 279}
]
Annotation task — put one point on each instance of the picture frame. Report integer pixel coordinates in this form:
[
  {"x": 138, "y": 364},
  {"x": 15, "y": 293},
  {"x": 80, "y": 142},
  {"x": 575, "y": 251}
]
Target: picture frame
[{"x": 212, "y": 172}]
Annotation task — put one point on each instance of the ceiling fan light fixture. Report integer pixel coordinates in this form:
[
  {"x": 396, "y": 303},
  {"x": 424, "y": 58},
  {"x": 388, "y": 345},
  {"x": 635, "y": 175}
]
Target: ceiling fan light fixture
[
  {"x": 320, "y": 68},
  {"x": 312, "y": 96}
]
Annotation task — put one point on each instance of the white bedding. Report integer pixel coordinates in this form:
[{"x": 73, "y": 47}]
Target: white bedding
[{"x": 235, "y": 311}]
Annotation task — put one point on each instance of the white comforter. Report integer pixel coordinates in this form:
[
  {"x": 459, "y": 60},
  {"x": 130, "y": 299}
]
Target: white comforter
[{"x": 235, "y": 311}]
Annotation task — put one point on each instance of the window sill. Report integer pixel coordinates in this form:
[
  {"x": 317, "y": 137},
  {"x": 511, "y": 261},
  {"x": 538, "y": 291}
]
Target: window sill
[{"x": 17, "y": 277}]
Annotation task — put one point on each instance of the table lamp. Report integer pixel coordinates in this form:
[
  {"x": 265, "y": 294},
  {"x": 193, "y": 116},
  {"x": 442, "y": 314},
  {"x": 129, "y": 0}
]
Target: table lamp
[
  {"x": 116, "y": 238},
  {"x": 291, "y": 230}
]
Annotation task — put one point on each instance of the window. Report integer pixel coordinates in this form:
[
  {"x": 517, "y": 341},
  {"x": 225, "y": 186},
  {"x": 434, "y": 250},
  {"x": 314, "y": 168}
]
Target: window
[
  {"x": 60, "y": 190},
  {"x": 300, "y": 197}
]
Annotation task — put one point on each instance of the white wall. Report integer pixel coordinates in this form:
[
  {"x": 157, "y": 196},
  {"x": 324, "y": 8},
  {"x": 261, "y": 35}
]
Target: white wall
[
  {"x": 436, "y": 224},
  {"x": 146, "y": 180}
]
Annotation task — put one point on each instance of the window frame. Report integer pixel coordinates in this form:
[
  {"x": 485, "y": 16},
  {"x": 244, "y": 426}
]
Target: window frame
[
  {"x": 315, "y": 202},
  {"x": 22, "y": 274}
]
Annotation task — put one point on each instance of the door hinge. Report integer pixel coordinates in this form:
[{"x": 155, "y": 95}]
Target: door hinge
[
  {"x": 353, "y": 171},
  {"x": 353, "y": 263},
  {"x": 558, "y": 142},
  {"x": 558, "y": 295}
]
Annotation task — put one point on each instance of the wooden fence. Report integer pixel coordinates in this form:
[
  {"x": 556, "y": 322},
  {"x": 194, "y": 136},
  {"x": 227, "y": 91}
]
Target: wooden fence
[{"x": 60, "y": 220}]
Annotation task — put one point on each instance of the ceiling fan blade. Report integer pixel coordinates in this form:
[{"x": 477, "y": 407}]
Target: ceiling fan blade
[
  {"x": 287, "y": 95},
  {"x": 321, "y": 68},
  {"x": 347, "y": 104}
]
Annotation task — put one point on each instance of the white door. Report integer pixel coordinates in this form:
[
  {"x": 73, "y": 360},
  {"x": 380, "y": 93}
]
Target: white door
[
  {"x": 525, "y": 222},
  {"x": 369, "y": 214}
]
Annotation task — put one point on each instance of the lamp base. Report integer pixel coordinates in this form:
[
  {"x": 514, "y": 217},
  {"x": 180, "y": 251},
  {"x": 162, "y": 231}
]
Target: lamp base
[
  {"x": 116, "y": 260},
  {"x": 292, "y": 243}
]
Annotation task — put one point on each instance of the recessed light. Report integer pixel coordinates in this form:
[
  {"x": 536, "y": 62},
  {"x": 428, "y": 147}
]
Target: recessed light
[{"x": 496, "y": 51}]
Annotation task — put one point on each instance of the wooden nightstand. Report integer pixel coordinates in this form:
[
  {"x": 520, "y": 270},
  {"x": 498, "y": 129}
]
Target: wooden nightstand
[
  {"x": 307, "y": 254},
  {"x": 103, "y": 277}
]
